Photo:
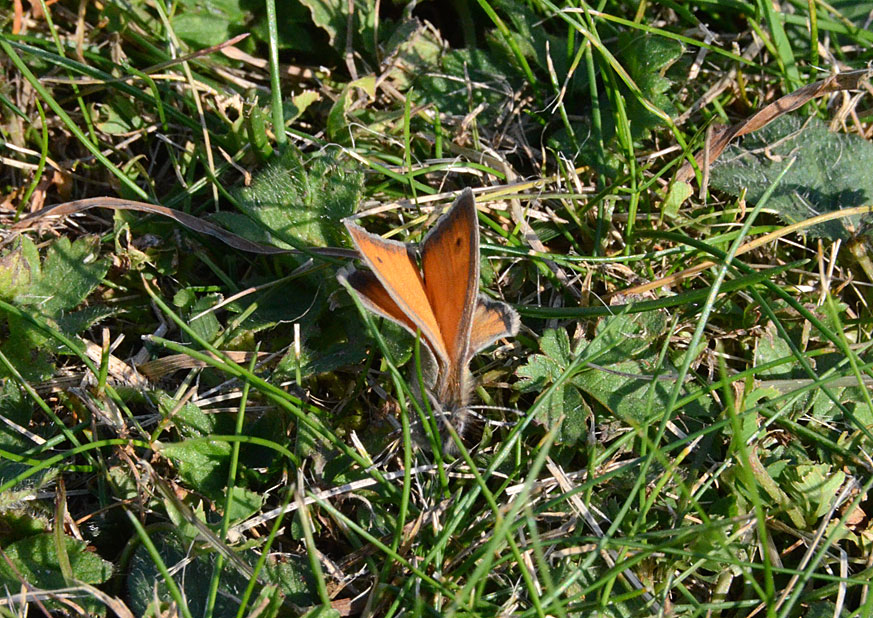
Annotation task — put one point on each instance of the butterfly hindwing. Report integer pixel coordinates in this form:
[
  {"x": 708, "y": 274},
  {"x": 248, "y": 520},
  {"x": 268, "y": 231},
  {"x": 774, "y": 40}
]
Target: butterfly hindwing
[
  {"x": 401, "y": 282},
  {"x": 492, "y": 320}
]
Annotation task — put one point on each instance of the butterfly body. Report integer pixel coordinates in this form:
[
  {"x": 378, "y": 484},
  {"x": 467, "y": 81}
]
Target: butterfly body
[{"x": 439, "y": 298}]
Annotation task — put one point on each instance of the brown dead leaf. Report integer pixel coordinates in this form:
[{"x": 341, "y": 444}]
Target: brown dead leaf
[
  {"x": 790, "y": 102},
  {"x": 191, "y": 222}
]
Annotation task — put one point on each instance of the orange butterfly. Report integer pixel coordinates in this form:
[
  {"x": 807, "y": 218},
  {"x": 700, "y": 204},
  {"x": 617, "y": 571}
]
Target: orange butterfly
[{"x": 440, "y": 299}]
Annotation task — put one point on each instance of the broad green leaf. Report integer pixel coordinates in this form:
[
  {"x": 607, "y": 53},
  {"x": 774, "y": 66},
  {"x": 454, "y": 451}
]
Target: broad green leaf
[
  {"x": 243, "y": 225},
  {"x": 183, "y": 527},
  {"x": 820, "y": 609},
  {"x": 321, "y": 611},
  {"x": 18, "y": 521},
  {"x": 203, "y": 23},
  {"x": 294, "y": 29},
  {"x": 244, "y": 504},
  {"x": 445, "y": 89},
  {"x": 321, "y": 359},
  {"x": 416, "y": 47},
  {"x": 206, "y": 325},
  {"x": 201, "y": 464},
  {"x": 294, "y": 576},
  {"x": 832, "y": 172},
  {"x": 188, "y": 418},
  {"x": 565, "y": 402},
  {"x": 118, "y": 117},
  {"x": 543, "y": 369},
  {"x": 771, "y": 347},
  {"x": 18, "y": 410},
  {"x": 332, "y": 16},
  {"x": 27, "y": 349},
  {"x": 628, "y": 398},
  {"x": 36, "y": 560},
  {"x": 202, "y": 29},
  {"x": 336, "y": 122},
  {"x": 297, "y": 105},
  {"x": 70, "y": 272},
  {"x": 647, "y": 58},
  {"x": 302, "y": 203},
  {"x": 565, "y": 405},
  {"x": 144, "y": 582},
  {"x": 622, "y": 337},
  {"x": 679, "y": 192},
  {"x": 74, "y": 322}
]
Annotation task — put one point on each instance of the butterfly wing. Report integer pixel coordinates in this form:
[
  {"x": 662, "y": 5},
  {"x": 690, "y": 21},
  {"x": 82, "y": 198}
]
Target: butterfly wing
[
  {"x": 492, "y": 320},
  {"x": 450, "y": 262},
  {"x": 401, "y": 296},
  {"x": 374, "y": 296}
]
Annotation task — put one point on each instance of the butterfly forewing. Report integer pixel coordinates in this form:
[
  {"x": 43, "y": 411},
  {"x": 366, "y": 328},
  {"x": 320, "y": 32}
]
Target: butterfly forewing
[
  {"x": 450, "y": 261},
  {"x": 401, "y": 283}
]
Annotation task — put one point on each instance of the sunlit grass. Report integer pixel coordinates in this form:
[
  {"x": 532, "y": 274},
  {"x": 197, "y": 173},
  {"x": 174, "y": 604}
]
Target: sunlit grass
[{"x": 681, "y": 427}]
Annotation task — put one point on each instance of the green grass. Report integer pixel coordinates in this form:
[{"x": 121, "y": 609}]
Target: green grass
[{"x": 682, "y": 426}]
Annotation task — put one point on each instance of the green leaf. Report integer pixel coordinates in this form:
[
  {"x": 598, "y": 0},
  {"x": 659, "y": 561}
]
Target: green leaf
[
  {"x": 203, "y": 23},
  {"x": 244, "y": 504},
  {"x": 202, "y": 464},
  {"x": 564, "y": 403},
  {"x": 145, "y": 583},
  {"x": 543, "y": 369},
  {"x": 336, "y": 122},
  {"x": 415, "y": 48},
  {"x": 294, "y": 576},
  {"x": 813, "y": 488},
  {"x": 36, "y": 560},
  {"x": 289, "y": 572},
  {"x": 303, "y": 203},
  {"x": 295, "y": 107},
  {"x": 302, "y": 301},
  {"x": 70, "y": 272},
  {"x": 16, "y": 409},
  {"x": 322, "y": 612},
  {"x": 118, "y": 117},
  {"x": 770, "y": 347},
  {"x": 295, "y": 30},
  {"x": 626, "y": 396},
  {"x": 206, "y": 325},
  {"x": 189, "y": 419},
  {"x": 832, "y": 172},
  {"x": 647, "y": 58},
  {"x": 202, "y": 29},
  {"x": 627, "y": 336},
  {"x": 75, "y": 322},
  {"x": 443, "y": 87},
  {"x": 182, "y": 525},
  {"x": 679, "y": 192},
  {"x": 27, "y": 349},
  {"x": 18, "y": 269},
  {"x": 321, "y": 359},
  {"x": 332, "y": 16},
  {"x": 18, "y": 521}
]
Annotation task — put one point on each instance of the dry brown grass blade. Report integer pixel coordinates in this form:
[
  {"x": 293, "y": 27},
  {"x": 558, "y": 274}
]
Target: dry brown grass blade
[
  {"x": 162, "y": 367},
  {"x": 190, "y": 221},
  {"x": 790, "y": 102}
]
